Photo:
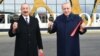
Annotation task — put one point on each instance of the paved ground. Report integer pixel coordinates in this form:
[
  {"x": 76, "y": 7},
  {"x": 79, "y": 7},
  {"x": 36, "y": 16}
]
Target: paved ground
[{"x": 89, "y": 43}]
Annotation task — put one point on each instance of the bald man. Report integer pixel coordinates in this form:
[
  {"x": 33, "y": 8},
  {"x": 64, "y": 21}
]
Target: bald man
[
  {"x": 68, "y": 27},
  {"x": 28, "y": 38}
]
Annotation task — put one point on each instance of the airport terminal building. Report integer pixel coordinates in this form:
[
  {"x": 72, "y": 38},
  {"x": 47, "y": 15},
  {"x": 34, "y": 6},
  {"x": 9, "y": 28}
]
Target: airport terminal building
[{"x": 45, "y": 9}]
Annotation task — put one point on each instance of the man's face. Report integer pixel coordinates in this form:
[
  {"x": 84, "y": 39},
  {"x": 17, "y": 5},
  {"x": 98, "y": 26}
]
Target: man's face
[
  {"x": 66, "y": 8},
  {"x": 25, "y": 10}
]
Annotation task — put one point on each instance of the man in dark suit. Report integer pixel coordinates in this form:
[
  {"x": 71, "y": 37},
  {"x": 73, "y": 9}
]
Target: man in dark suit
[
  {"x": 28, "y": 38},
  {"x": 68, "y": 27}
]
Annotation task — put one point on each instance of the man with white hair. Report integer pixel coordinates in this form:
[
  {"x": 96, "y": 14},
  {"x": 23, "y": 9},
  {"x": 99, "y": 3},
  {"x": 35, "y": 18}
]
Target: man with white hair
[{"x": 68, "y": 27}]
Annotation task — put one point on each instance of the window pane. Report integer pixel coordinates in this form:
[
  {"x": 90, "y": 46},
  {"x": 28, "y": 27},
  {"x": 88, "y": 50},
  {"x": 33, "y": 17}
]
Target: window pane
[
  {"x": 53, "y": 8},
  {"x": 83, "y": 8},
  {"x": 8, "y": 1},
  {"x": 2, "y": 18},
  {"x": 19, "y": 1},
  {"x": 61, "y": 1},
  {"x": 82, "y": 1},
  {"x": 98, "y": 9},
  {"x": 89, "y": 9},
  {"x": 41, "y": 10},
  {"x": 30, "y": 1},
  {"x": 1, "y": 8},
  {"x": 18, "y": 8},
  {"x": 90, "y": 1},
  {"x": 9, "y": 8},
  {"x": 51, "y": 1},
  {"x": 59, "y": 10}
]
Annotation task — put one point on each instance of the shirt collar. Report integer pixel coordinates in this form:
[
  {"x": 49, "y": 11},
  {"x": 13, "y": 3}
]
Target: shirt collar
[
  {"x": 28, "y": 18},
  {"x": 25, "y": 17}
]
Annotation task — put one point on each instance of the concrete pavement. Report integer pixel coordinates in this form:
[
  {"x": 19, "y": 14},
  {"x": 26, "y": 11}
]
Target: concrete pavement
[{"x": 89, "y": 44}]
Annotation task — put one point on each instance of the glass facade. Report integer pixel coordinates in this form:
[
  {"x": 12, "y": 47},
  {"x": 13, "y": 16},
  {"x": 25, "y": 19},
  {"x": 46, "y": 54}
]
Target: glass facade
[
  {"x": 13, "y": 6},
  {"x": 54, "y": 5}
]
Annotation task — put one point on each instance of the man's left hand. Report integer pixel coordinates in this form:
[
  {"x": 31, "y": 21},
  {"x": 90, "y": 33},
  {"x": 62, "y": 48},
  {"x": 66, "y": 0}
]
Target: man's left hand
[{"x": 40, "y": 52}]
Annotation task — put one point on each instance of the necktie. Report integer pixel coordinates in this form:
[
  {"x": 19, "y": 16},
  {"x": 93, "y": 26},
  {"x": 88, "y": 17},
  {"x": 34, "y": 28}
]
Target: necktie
[{"x": 27, "y": 21}]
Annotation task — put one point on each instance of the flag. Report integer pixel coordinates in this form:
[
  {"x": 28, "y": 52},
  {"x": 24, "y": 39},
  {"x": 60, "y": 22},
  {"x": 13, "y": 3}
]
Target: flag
[{"x": 74, "y": 31}]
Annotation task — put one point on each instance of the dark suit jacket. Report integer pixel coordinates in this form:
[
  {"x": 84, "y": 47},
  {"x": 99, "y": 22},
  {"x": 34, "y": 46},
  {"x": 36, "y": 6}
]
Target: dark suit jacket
[
  {"x": 67, "y": 45},
  {"x": 28, "y": 37}
]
